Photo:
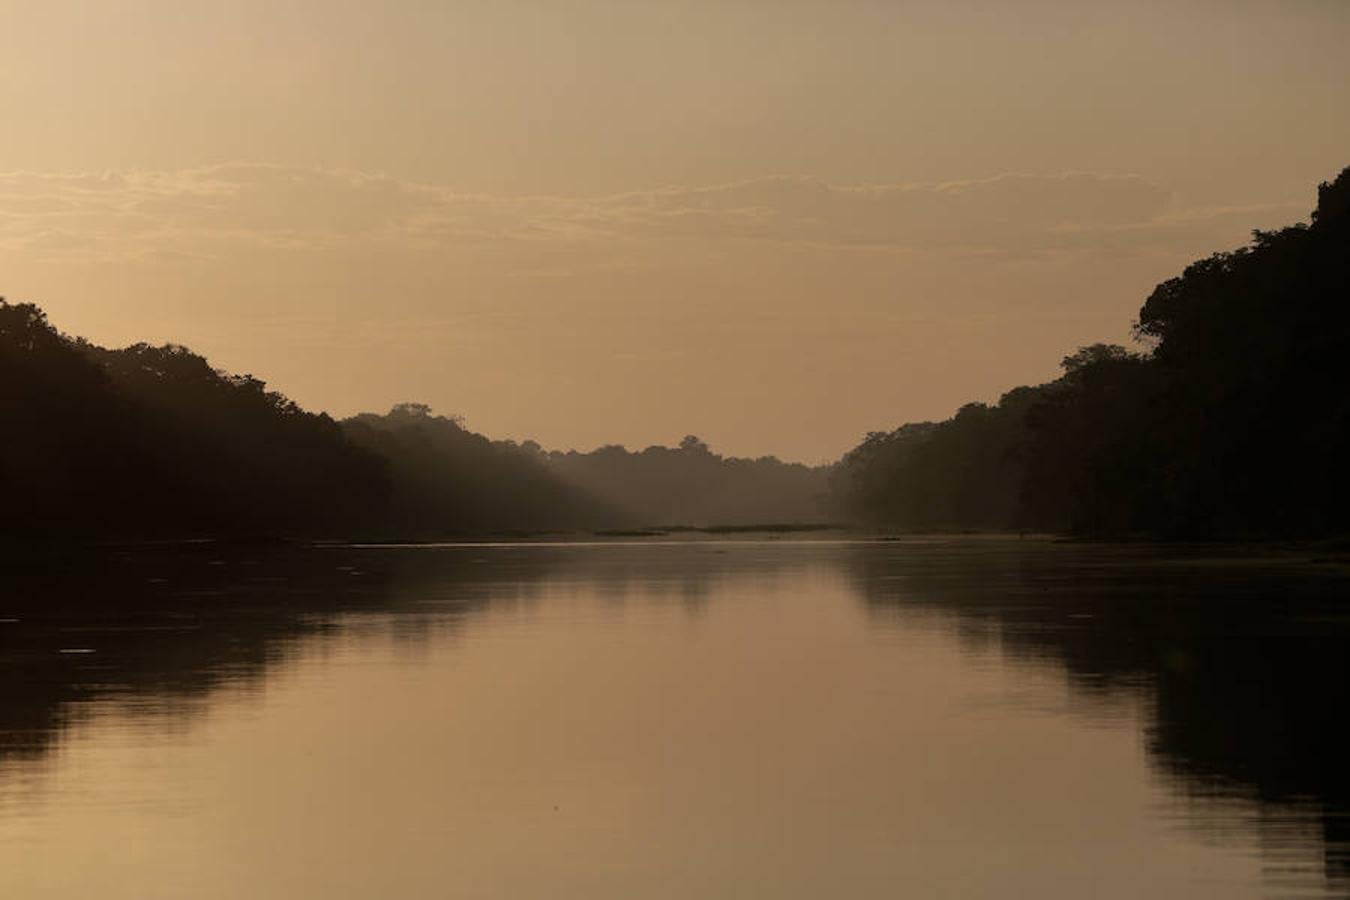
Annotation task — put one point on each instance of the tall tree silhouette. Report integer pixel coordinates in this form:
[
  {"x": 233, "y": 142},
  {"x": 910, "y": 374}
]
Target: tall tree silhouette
[{"x": 1236, "y": 422}]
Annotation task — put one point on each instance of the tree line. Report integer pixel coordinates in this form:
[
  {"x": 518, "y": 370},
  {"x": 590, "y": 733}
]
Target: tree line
[
  {"x": 690, "y": 485},
  {"x": 1233, "y": 420},
  {"x": 153, "y": 442}
]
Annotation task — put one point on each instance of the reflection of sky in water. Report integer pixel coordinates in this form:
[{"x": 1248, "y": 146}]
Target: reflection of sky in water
[{"x": 974, "y": 718}]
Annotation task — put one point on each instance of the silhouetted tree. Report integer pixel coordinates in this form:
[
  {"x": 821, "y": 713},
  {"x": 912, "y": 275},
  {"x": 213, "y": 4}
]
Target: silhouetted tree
[
  {"x": 1236, "y": 422},
  {"x": 692, "y": 486},
  {"x": 152, "y": 441},
  {"x": 450, "y": 481}
]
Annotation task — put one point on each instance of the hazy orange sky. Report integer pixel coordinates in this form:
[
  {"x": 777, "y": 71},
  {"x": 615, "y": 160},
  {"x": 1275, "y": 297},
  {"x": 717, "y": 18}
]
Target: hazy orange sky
[{"x": 777, "y": 225}]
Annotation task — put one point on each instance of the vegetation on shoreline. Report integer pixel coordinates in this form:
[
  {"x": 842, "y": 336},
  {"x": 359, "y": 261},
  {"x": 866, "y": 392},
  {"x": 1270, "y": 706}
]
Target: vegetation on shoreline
[
  {"x": 152, "y": 442},
  {"x": 691, "y": 486},
  {"x": 1234, "y": 423}
]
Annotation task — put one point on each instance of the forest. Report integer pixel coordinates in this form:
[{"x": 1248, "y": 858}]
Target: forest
[
  {"x": 152, "y": 443},
  {"x": 1230, "y": 419}
]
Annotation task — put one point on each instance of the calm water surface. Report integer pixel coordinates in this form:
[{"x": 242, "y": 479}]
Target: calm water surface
[{"x": 944, "y": 718}]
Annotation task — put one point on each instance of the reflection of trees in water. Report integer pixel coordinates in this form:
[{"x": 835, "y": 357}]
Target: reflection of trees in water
[
  {"x": 1243, "y": 665},
  {"x": 165, "y": 629},
  {"x": 170, "y": 627}
]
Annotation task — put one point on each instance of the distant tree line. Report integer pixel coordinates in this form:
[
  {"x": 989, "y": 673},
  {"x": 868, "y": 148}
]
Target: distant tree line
[
  {"x": 445, "y": 479},
  {"x": 153, "y": 442},
  {"x": 1234, "y": 421},
  {"x": 691, "y": 485}
]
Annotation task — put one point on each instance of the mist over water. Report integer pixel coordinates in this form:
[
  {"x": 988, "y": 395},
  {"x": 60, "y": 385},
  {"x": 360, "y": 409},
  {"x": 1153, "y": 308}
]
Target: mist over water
[{"x": 966, "y": 717}]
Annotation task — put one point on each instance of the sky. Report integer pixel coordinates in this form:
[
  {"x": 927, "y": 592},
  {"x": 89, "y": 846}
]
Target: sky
[{"x": 776, "y": 225}]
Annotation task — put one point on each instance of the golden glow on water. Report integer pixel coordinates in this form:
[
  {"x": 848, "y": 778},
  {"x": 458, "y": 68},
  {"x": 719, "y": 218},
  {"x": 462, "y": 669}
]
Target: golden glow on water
[{"x": 691, "y": 721}]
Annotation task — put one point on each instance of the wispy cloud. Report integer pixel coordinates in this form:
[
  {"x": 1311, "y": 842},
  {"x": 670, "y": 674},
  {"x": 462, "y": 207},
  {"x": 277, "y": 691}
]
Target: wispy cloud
[{"x": 206, "y": 212}]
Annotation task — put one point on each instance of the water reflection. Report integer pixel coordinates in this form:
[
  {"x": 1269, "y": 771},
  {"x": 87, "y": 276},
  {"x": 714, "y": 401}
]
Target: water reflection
[
  {"x": 159, "y": 629},
  {"x": 1234, "y": 673},
  {"x": 1241, "y": 663}
]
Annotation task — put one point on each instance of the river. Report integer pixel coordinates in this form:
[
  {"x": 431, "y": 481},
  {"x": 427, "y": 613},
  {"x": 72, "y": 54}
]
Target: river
[{"x": 946, "y": 717}]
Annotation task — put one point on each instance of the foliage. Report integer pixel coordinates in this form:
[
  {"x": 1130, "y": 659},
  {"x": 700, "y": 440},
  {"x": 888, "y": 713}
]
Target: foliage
[
  {"x": 448, "y": 480},
  {"x": 1235, "y": 423},
  {"x": 151, "y": 441},
  {"x": 692, "y": 485}
]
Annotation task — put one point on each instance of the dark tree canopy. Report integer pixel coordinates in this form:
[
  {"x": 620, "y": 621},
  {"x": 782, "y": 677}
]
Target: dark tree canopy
[
  {"x": 1236, "y": 422},
  {"x": 150, "y": 442},
  {"x": 450, "y": 481}
]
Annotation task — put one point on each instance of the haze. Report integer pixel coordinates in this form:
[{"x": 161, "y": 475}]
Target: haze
[{"x": 775, "y": 225}]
